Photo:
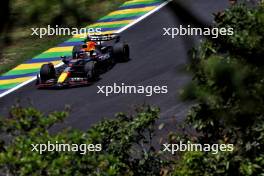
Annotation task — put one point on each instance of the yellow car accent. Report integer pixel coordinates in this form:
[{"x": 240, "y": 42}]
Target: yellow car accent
[{"x": 63, "y": 77}]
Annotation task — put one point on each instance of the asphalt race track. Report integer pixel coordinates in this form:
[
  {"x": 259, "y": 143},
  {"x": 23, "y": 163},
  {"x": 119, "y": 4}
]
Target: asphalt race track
[{"x": 155, "y": 60}]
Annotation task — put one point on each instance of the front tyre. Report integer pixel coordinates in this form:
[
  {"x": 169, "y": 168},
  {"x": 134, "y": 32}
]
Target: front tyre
[{"x": 47, "y": 71}]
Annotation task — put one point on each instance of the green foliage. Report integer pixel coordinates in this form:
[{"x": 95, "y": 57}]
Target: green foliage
[
  {"x": 60, "y": 12},
  {"x": 126, "y": 146},
  {"x": 201, "y": 163},
  {"x": 228, "y": 85},
  {"x": 248, "y": 35}
]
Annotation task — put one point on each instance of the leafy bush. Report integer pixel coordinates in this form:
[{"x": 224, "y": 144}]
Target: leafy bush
[
  {"x": 229, "y": 87},
  {"x": 125, "y": 141}
]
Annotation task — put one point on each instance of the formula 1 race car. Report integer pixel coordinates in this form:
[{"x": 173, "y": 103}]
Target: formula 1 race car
[{"x": 97, "y": 55}]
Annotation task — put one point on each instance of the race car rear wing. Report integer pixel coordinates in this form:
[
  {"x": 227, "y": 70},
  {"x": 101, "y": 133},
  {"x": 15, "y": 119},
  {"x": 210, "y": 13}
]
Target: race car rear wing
[{"x": 105, "y": 37}]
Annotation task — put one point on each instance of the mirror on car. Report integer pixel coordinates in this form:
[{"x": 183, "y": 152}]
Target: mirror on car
[{"x": 64, "y": 60}]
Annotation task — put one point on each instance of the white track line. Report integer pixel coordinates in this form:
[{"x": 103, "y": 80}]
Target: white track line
[
  {"x": 144, "y": 16},
  {"x": 119, "y": 31}
]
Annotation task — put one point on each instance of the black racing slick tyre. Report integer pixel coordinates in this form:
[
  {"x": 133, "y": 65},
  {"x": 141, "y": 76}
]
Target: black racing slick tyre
[
  {"x": 121, "y": 52},
  {"x": 75, "y": 50},
  {"x": 90, "y": 70},
  {"x": 47, "y": 71}
]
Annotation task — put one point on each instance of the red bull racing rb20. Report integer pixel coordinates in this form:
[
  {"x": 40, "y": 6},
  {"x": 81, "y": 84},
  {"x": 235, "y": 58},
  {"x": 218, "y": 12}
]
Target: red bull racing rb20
[{"x": 97, "y": 55}]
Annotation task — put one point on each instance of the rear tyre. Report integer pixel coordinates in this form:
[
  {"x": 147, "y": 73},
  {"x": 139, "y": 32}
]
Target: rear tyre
[
  {"x": 90, "y": 70},
  {"x": 47, "y": 71},
  {"x": 121, "y": 52}
]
